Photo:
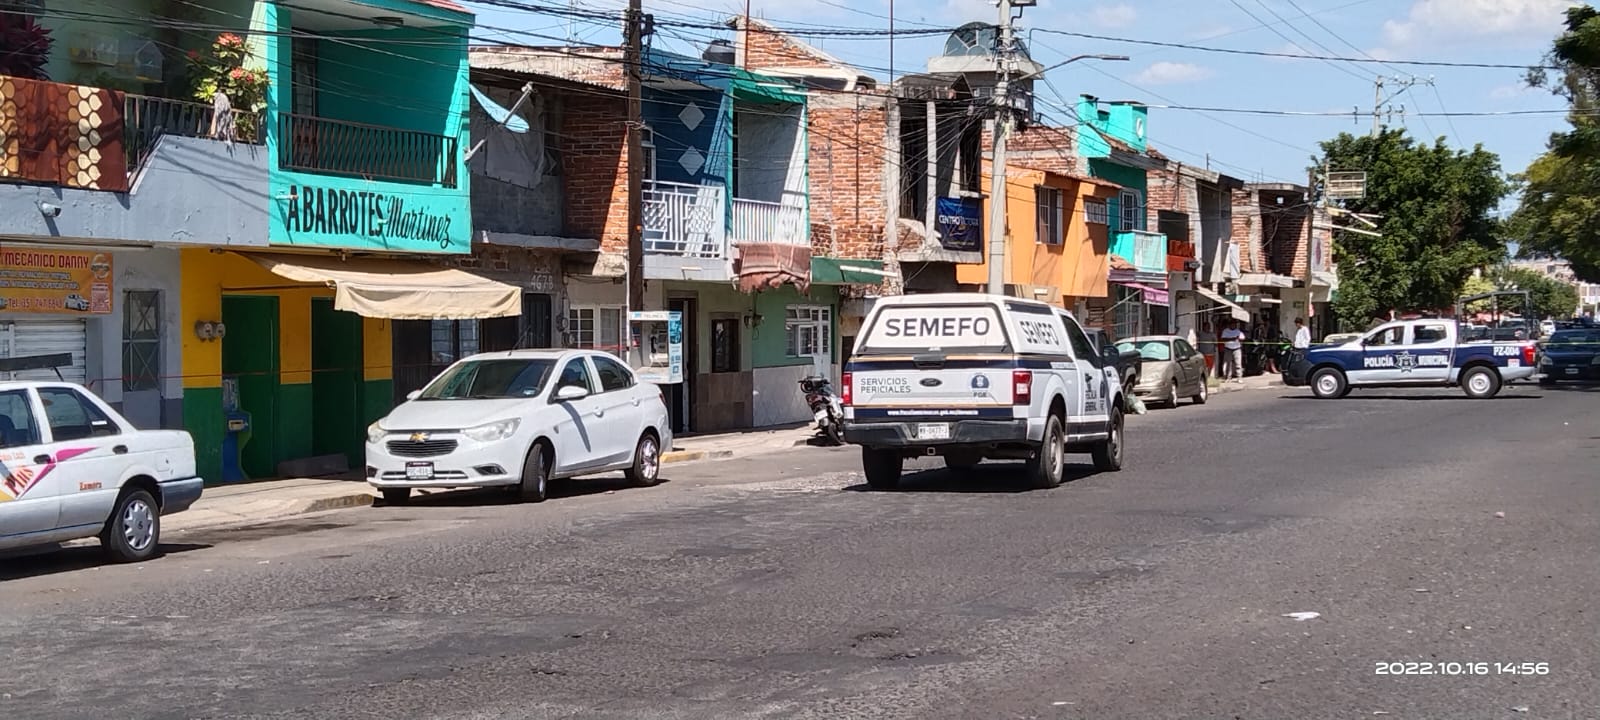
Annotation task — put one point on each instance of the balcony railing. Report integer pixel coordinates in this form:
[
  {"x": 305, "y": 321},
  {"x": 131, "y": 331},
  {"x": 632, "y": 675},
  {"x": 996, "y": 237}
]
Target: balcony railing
[
  {"x": 684, "y": 220},
  {"x": 145, "y": 119},
  {"x": 761, "y": 221},
  {"x": 338, "y": 147},
  {"x": 1147, "y": 250}
]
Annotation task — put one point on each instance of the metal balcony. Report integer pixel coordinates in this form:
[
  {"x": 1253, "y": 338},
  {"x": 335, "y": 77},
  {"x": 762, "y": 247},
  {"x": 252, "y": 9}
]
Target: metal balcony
[
  {"x": 759, "y": 221},
  {"x": 684, "y": 220},
  {"x": 337, "y": 147}
]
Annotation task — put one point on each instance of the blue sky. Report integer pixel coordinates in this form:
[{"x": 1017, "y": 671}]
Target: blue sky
[{"x": 1249, "y": 146}]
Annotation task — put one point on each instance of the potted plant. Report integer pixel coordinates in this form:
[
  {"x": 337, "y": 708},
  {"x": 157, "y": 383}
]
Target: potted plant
[
  {"x": 24, "y": 46},
  {"x": 222, "y": 71}
]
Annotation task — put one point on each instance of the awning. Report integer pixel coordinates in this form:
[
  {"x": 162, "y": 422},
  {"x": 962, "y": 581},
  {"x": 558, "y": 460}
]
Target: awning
[
  {"x": 847, "y": 271},
  {"x": 767, "y": 266},
  {"x": 1237, "y": 312},
  {"x": 398, "y": 290},
  {"x": 1266, "y": 280},
  {"x": 1152, "y": 296}
]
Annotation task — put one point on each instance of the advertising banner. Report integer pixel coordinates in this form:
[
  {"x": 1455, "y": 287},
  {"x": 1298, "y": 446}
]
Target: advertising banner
[
  {"x": 960, "y": 224},
  {"x": 41, "y": 280}
]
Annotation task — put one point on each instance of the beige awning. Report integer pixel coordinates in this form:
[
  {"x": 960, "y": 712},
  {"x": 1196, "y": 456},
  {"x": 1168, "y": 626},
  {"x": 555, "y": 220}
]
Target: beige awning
[
  {"x": 1234, "y": 310},
  {"x": 399, "y": 289}
]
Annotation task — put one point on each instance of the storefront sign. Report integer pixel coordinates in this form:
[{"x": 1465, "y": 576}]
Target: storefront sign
[
  {"x": 309, "y": 210},
  {"x": 55, "y": 281},
  {"x": 960, "y": 224}
]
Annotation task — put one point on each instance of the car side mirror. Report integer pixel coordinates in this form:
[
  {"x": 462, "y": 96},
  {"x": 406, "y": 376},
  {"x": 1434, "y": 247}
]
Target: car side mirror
[
  {"x": 414, "y": 394},
  {"x": 568, "y": 393},
  {"x": 1111, "y": 355}
]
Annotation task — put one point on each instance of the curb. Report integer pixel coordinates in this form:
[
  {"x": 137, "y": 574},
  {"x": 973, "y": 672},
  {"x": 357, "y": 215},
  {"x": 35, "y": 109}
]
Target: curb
[
  {"x": 679, "y": 456},
  {"x": 338, "y": 502}
]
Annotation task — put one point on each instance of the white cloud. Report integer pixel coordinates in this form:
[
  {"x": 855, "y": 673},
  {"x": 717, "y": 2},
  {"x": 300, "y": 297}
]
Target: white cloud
[
  {"x": 1167, "y": 73},
  {"x": 1113, "y": 16},
  {"x": 1431, "y": 22}
]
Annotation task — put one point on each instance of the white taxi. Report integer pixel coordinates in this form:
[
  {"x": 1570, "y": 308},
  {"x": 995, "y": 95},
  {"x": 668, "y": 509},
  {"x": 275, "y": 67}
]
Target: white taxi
[
  {"x": 71, "y": 467},
  {"x": 517, "y": 420}
]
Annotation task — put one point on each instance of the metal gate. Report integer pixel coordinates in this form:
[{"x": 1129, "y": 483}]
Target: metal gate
[{"x": 26, "y": 337}]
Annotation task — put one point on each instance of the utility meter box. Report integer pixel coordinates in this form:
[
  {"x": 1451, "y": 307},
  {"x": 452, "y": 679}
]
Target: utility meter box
[{"x": 656, "y": 354}]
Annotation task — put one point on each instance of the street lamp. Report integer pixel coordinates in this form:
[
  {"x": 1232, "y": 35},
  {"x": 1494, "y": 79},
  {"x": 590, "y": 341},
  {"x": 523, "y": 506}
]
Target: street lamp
[{"x": 1074, "y": 59}]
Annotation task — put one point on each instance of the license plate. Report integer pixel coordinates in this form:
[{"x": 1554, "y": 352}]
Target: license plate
[
  {"x": 933, "y": 431},
  {"x": 419, "y": 471},
  {"x": 1513, "y": 362},
  {"x": 821, "y": 416},
  {"x": 1572, "y": 371}
]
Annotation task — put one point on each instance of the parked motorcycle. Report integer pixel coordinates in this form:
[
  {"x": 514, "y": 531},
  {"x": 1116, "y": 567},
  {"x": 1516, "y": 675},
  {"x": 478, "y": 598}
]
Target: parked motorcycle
[{"x": 825, "y": 407}]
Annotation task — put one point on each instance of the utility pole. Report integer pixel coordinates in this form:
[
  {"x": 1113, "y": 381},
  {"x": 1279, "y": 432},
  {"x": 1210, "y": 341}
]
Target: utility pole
[
  {"x": 1377, "y": 102},
  {"x": 635, "y": 64},
  {"x": 1402, "y": 84},
  {"x": 997, "y": 170}
]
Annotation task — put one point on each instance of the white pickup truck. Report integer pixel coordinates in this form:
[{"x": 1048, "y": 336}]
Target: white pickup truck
[{"x": 71, "y": 467}]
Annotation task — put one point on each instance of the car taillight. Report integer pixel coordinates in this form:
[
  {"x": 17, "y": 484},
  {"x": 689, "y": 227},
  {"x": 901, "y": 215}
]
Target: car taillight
[
  {"x": 845, "y": 388},
  {"x": 1528, "y": 354},
  {"x": 1021, "y": 387}
]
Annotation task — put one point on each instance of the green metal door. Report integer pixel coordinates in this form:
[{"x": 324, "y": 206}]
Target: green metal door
[
  {"x": 336, "y": 383},
  {"x": 250, "y": 353}
]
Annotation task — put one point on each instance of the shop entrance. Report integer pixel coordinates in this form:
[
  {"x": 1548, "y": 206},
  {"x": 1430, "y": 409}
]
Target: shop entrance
[
  {"x": 336, "y": 383},
  {"x": 250, "y": 355},
  {"x": 680, "y": 396}
]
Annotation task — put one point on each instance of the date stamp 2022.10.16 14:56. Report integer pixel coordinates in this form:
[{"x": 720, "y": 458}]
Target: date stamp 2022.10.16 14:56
[{"x": 1460, "y": 668}]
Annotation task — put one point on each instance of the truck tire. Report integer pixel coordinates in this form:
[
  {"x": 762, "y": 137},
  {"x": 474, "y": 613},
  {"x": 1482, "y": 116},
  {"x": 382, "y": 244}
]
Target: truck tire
[
  {"x": 1045, "y": 468},
  {"x": 1480, "y": 383},
  {"x": 882, "y": 468},
  {"x": 1329, "y": 383},
  {"x": 1107, "y": 453}
]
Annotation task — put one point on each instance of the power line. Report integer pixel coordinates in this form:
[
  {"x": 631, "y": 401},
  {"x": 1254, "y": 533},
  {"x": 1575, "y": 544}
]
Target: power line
[
  {"x": 1293, "y": 56},
  {"x": 1291, "y": 41}
]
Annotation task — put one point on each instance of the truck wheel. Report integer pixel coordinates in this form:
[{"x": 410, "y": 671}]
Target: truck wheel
[
  {"x": 1329, "y": 383},
  {"x": 133, "y": 532},
  {"x": 1107, "y": 453},
  {"x": 882, "y": 468},
  {"x": 1045, "y": 468},
  {"x": 1480, "y": 382}
]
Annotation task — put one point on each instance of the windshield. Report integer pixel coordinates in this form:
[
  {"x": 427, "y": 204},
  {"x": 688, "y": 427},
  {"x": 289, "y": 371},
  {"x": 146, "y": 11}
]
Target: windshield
[
  {"x": 1156, "y": 350},
  {"x": 490, "y": 379},
  {"x": 1574, "y": 337}
]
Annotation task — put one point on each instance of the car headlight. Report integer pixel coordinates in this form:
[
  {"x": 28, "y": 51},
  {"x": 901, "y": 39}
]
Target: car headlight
[
  {"x": 493, "y": 431},
  {"x": 375, "y": 433}
]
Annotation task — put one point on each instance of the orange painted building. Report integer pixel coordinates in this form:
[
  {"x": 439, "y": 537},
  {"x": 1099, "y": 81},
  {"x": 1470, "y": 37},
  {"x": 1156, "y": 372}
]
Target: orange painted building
[{"x": 1057, "y": 239}]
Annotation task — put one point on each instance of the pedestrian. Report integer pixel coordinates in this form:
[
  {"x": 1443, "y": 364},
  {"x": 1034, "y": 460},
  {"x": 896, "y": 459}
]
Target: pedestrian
[
  {"x": 1232, "y": 352},
  {"x": 1302, "y": 334}
]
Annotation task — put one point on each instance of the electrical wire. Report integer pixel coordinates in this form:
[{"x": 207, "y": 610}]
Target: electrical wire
[{"x": 1293, "y": 56}]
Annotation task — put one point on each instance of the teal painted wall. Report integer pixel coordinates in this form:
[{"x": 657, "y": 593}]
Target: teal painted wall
[
  {"x": 769, "y": 345},
  {"x": 1124, "y": 121},
  {"x": 404, "y": 84},
  {"x": 1130, "y": 178}
]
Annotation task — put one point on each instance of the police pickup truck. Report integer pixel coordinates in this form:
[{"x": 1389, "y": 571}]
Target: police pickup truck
[
  {"x": 1413, "y": 353},
  {"x": 971, "y": 377}
]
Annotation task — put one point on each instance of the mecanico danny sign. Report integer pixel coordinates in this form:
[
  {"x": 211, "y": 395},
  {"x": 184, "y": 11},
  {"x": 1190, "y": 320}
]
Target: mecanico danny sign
[{"x": 36, "y": 280}]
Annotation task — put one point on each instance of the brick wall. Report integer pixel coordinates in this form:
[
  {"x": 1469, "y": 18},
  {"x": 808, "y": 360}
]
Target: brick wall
[
  {"x": 594, "y": 169},
  {"x": 1039, "y": 147},
  {"x": 1247, "y": 231},
  {"x": 1164, "y": 191},
  {"x": 1284, "y": 228},
  {"x": 849, "y": 213},
  {"x": 766, "y": 48}
]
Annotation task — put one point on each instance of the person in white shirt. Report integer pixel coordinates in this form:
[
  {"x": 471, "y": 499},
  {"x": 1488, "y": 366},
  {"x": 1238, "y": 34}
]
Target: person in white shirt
[
  {"x": 1232, "y": 352},
  {"x": 1302, "y": 334}
]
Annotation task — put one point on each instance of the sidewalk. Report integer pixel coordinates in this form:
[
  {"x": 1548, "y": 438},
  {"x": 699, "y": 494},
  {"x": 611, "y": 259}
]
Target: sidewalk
[
  {"x": 1258, "y": 382},
  {"x": 276, "y": 499}
]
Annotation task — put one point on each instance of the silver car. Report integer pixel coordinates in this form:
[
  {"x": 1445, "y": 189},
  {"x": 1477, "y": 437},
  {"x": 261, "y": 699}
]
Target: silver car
[{"x": 1171, "y": 369}]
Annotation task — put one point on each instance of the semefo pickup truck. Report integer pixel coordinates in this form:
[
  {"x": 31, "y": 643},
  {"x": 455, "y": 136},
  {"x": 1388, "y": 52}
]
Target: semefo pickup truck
[{"x": 1413, "y": 353}]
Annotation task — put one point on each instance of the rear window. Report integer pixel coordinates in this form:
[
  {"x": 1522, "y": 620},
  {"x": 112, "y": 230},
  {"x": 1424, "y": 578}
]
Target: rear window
[
  {"x": 901, "y": 328},
  {"x": 1573, "y": 337}
]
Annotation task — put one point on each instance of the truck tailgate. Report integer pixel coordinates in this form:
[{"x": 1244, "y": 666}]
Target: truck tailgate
[{"x": 899, "y": 388}]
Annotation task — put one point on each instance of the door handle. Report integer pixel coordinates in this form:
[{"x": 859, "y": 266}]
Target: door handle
[
  {"x": 42, "y": 460},
  {"x": 120, "y": 449},
  {"x": 599, "y": 413}
]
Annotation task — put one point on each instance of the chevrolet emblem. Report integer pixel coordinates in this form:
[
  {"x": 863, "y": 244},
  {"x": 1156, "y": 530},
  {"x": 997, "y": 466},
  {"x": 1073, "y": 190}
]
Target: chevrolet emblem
[{"x": 419, "y": 437}]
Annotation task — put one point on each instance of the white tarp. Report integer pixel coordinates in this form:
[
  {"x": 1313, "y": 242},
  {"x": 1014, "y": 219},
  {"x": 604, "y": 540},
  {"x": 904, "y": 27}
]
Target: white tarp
[
  {"x": 399, "y": 290},
  {"x": 1234, "y": 310}
]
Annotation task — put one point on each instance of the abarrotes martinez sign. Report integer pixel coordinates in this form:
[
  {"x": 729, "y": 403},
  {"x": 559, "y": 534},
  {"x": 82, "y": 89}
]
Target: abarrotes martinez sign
[{"x": 372, "y": 219}]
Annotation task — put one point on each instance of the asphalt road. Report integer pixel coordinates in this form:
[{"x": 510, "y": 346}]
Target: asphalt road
[{"x": 775, "y": 587}]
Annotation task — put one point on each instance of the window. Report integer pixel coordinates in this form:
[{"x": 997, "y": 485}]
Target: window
[
  {"x": 1094, "y": 211},
  {"x": 73, "y": 416},
  {"x": 725, "y": 345},
  {"x": 17, "y": 427},
  {"x": 809, "y": 329},
  {"x": 1185, "y": 350},
  {"x": 1387, "y": 336},
  {"x": 1429, "y": 334},
  {"x": 1048, "y": 201},
  {"x": 576, "y": 374},
  {"x": 595, "y": 328},
  {"x": 1129, "y": 311},
  {"x": 1082, "y": 348},
  {"x": 452, "y": 340},
  {"x": 141, "y": 341},
  {"x": 490, "y": 379},
  {"x": 647, "y": 143},
  {"x": 613, "y": 376},
  {"x": 1132, "y": 209}
]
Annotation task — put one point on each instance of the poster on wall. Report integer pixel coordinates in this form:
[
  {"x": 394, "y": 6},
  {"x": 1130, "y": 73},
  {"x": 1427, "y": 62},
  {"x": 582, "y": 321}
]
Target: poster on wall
[
  {"x": 37, "y": 280},
  {"x": 658, "y": 356},
  {"x": 960, "y": 224}
]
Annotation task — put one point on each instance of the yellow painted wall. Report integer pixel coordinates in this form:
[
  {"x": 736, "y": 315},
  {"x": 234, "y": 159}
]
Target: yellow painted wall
[
  {"x": 377, "y": 349},
  {"x": 207, "y": 276}
]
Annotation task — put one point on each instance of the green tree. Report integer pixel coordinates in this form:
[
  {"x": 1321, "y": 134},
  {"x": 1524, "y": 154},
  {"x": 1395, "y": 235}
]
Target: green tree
[
  {"x": 1478, "y": 285},
  {"x": 1560, "y": 210},
  {"x": 1549, "y": 297},
  {"x": 1434, "y": 204}
]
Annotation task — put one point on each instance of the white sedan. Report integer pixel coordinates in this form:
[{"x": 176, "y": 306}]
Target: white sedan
[{"x": 517, "y": 420}]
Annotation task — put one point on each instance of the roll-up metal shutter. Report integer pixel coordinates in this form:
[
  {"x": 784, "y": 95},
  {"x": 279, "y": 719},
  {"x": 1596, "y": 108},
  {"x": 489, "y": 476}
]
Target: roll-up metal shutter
[{"x": 24, "y": 337}]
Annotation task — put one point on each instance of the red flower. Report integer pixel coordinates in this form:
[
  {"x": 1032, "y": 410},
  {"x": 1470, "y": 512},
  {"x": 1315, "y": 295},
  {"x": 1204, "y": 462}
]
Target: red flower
[
  {"x": 236, "y": 73},
  {"x": 229, "y": 39},
  {"x": 250, "y": 77},
  {"x": 194, "y": 54}
]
